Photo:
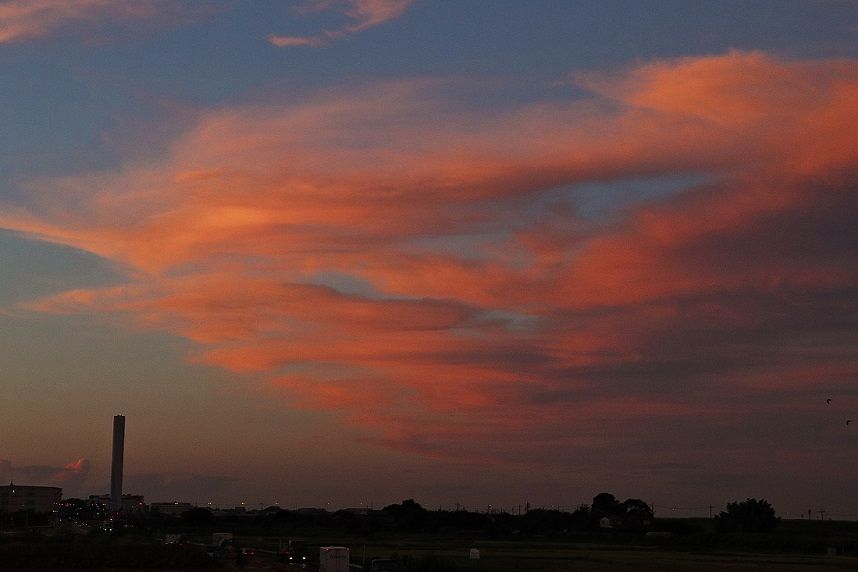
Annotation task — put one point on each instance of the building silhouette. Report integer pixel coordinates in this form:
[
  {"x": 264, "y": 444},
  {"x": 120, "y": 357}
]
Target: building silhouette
[
  {"x": 130, "y": 503},
  {"x": 14, "y": 498},
  {"x": 116, "y": 468}
]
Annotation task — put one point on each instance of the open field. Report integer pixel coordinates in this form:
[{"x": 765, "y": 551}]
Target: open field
[
  {"x": 677, "y": 544},
  {"x": 502, "y": 556},
  {"x": 417, "y": 553},
  {"x": 593, "y": 559}
]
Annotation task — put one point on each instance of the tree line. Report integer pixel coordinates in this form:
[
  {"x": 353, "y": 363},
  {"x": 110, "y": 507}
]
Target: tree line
[{"x": 605, "y": 513}]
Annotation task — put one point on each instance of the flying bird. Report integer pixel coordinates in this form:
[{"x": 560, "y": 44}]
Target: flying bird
[
  {"x": 848, "y": 421},
  {"x": 828, "y": 401}
]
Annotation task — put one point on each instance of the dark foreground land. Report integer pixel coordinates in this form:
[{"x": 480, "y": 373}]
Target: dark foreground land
[
  {"x": 439, "y": 553},
  {"x": 416, "y": 554},
  {"x": 103, "y": 553},
  {"x": 427, "y": 541}
]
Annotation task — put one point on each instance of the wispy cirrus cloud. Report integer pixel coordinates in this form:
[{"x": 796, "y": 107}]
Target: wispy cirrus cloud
[
  {"x": 363, "y": 14},
  {"x": 22, "y": 20},
  {"x": 419, "y": 265},
  {"x": 25, "y": 20}
]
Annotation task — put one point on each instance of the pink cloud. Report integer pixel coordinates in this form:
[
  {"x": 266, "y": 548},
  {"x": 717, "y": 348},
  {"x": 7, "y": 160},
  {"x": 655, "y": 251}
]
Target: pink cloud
[
  {"x": 289, "y": 41},
  {"x": 370, "y": 13},
  {"x": 383, "y": 254},
  {"x": 22, "y": 20},
  {"x": 363, "y": 14},
  {"x": 70, "y": 476}
]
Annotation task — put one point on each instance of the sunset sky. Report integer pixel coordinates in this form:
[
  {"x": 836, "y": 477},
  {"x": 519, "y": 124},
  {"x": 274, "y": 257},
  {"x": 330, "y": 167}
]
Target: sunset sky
[{"x": 333, "y": 252}]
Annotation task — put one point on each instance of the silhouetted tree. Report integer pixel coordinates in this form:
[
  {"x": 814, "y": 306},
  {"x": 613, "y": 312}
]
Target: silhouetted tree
[
  {"x": 605, "y": 504},
  {"x": 346, "y": 519},
  {"x": 637, "y": 508},
  {"x": 543, "y": 521},
  {"x": 750, "y": 515},
  {"x": 638, "y": 514},
  {"x": 580, "y": 518},
  {"x": 198, "y": 515},
  {"x": 408, "y": 514},
  {"x": 407, "y": 507}
]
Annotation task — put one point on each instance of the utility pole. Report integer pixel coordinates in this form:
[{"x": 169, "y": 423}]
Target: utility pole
[{"x": 821, "y": 514}]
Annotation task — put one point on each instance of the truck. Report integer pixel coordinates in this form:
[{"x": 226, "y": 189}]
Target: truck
[
  {"x": 382, "y": 565},
  {"x": 218, "y": 538},
  {"x": 333, "y": 559}
]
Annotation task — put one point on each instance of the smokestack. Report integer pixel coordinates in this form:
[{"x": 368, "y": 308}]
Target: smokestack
[{"x": 116, "y": 467}]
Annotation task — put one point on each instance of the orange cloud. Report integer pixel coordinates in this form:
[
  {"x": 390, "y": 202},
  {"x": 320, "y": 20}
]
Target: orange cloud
[
  {"x": 370, "y": 13},
  {"x": 364, "y": 14},
  {"x": 71, "y": 475},
  {"x": 421, "y": 266},
  {"x": 22, "y": 20},
  {"x": 289, "y": 41}
]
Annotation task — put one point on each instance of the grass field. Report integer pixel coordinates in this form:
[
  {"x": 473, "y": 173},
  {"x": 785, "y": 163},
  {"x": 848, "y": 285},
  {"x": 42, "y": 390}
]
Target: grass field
[
  {"x": 592, "y": 559},
  {"x": 451, "y": 555}
]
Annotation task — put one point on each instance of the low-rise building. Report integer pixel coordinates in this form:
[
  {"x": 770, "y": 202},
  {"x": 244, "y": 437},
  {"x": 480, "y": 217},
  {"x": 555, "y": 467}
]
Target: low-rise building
[
  {"x": 27, "y": 497},
  {"x": 174, "y": 508},
  {"x": 130, "y": 503}
]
